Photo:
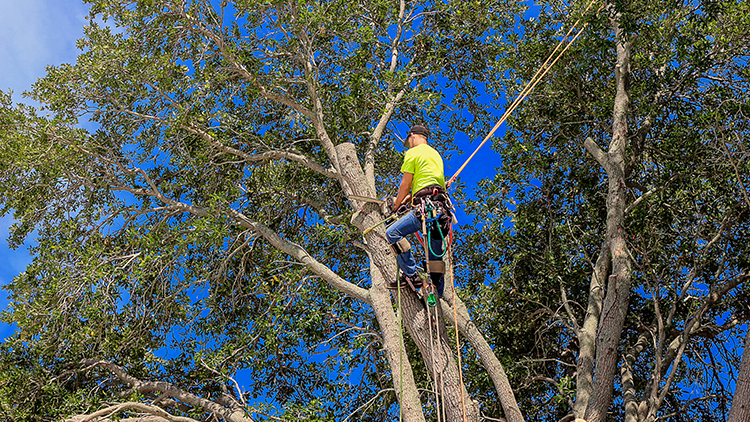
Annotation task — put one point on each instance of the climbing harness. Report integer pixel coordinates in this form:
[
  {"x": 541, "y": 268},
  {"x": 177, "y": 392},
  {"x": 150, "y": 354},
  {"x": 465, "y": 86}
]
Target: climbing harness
[{"x": 541, "y": 73}]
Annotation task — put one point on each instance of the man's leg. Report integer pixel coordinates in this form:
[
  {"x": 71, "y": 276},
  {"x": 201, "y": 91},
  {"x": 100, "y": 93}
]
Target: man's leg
[{"x": 397, "y": 231}]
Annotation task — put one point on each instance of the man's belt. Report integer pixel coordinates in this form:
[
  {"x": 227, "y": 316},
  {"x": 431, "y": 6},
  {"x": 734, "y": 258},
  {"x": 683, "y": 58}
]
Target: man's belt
[{"x": 430, "y": 190}]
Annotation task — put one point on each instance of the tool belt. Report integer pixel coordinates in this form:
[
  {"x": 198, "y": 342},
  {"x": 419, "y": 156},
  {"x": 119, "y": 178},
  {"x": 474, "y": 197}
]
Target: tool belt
[{"x": 436, "y": 195}]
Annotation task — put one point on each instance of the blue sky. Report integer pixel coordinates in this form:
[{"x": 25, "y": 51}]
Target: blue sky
[
  {"x": 37, "y": 33},
  {"x": 33, "y": 35}
]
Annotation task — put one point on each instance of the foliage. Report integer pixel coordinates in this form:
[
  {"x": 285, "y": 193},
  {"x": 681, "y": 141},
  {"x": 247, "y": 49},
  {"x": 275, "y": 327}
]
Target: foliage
[
  {"x": 544, "y": 212},
  {"x": 197, "y": 247},
  {"x": 180, "y": 124}
]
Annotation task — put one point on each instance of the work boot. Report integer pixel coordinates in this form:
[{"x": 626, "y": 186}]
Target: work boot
[{"x": 407, "y": 281}]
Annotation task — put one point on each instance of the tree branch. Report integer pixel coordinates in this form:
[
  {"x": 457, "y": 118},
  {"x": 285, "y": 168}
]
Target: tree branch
[
  {"x": 201, "y": 28},
  {"x": 676, "y": 348},
  {"x": 302, "y": 256},
  {"x": 106, "y": 413},
  {"x": 377, "y": 134},
  {"x": 232, "y": 415},
  {"x": 264, "y": 156},
  {"x": 596, "y": 152}
]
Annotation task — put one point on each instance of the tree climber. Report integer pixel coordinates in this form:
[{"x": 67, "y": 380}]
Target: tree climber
[{"x": 423, "y": 182}]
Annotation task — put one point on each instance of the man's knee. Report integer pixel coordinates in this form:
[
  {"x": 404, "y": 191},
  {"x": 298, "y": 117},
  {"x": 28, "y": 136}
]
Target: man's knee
[{"x": 401, "y": 246}]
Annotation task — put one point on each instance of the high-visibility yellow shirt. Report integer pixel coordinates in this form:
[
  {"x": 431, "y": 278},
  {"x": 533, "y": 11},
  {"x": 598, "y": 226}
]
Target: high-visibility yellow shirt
[{"x": 425, "y": 163}]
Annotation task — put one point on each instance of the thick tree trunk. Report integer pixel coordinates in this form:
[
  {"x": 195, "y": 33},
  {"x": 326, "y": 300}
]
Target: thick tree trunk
[
  {"x": 381, "y": 270},
  {"x": 595, "y": 397},
  {"x": 427, "y": 327},
  {"x": 427, "y": 331},
  {"x": 740, "y": 411},
  {"x": 490, "y": 361}
]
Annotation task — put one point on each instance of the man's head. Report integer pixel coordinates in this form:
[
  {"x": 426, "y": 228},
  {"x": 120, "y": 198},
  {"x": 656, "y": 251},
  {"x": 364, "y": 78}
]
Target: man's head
[{"x": 418, "y": 134}]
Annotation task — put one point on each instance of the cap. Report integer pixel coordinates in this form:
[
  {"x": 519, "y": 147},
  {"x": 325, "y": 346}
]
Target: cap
[{"x": 420, "y": 130}]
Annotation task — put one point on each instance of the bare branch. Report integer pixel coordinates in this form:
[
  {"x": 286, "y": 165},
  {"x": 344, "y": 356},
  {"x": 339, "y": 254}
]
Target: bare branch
[
  {"x": 264, "y": 156},
  {"x": 107, "y": 413},
  {"x": 218, "y": 40},
  {"x": 234, "y": 414},
  {"x": 596, "y": 152},
  {"x": 302, "y": 256}
]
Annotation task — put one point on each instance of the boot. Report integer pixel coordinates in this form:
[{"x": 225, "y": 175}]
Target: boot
[{"x": 413, "y": 282}]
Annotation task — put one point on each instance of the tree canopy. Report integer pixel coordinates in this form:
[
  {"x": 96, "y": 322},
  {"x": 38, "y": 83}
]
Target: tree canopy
[{"x": 200, "y": 256}]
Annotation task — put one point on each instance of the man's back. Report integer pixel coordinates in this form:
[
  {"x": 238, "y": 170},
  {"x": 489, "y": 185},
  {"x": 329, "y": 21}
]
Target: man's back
[{"x": 425, "y": 163}]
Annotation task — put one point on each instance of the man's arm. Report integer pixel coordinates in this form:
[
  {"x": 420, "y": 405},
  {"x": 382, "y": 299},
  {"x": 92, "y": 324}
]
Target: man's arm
[{"x": 403, "y": 190}]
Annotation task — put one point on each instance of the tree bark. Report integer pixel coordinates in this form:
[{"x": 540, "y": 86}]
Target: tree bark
[
  {"x": 587, "y": 334},
  {"x": 435, "y": 350},
  {"x": 427, "y": 327},
  {"x": 740, "y": 411},
  {"x": 491, "y": 363},
  {"x": 618, "y": 285},
  {"x": 382, "y": 268},
  {"x": 233, "y": 413},
  {"x": 601, "y": 331}
]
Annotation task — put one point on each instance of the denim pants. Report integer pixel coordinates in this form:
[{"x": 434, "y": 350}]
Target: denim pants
[{"x": 405, "y": 226}]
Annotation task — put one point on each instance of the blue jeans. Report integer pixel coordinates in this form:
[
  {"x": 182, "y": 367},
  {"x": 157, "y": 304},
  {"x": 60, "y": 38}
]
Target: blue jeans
[{"x": 405, "y": 226}]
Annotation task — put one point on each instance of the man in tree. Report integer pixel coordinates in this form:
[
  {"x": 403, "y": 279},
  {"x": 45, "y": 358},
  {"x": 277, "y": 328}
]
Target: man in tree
[{"x": 423, "y": 183}]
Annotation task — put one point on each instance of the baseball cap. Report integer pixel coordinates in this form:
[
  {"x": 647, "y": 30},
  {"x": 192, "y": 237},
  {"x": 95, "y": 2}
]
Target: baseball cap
[{"x": 420, "y": 130}]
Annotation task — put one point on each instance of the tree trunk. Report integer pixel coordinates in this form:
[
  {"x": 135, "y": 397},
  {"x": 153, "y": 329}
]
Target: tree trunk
[
  {"x": 490, "y": 361},
  {"x": 595, "y": 397},
  {"x": 427, "y": 327},
  {"x": 740, "y": 411},
  {"x": 618, "y": 286},
  {"x": 381, "y": 270},
  {"x": 587, "y": 334},
  {"x": 435, "y": 350}
]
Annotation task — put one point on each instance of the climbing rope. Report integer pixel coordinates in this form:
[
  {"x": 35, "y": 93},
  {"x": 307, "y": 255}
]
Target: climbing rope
[
  {"x": 429, "y": 218},
  {"x": 400, "y": 351},
  {"x": 531, "y": 84},
  {"x": 455, "y": 324},
  {"x": 429, "y": 323},
  {"x": 442, "y": 375}
]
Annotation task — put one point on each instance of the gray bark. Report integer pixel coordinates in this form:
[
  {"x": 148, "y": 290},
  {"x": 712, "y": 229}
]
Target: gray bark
[
  {"x": 740, "y": 411},
  {"x": 618, "y": 286},
  {"x": 587, "y": 334},
  {"x": 382, "y": 269},
  {"x": 490, "y": 361},
  {"x": 596, "y": 381}
]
